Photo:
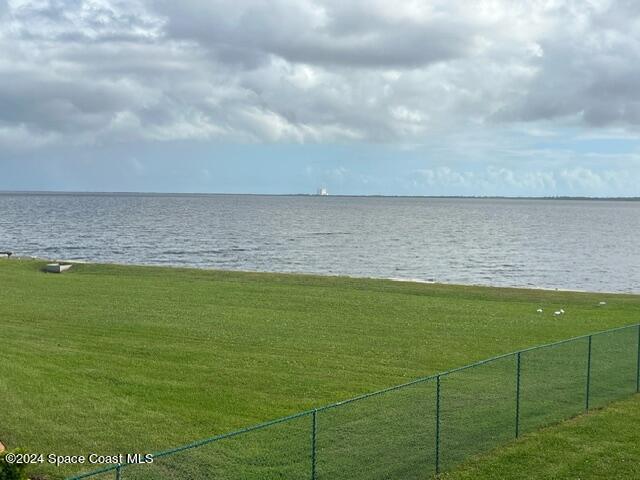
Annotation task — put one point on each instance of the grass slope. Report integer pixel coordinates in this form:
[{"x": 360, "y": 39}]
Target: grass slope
[
  {"x": 603, "y": 445},
  {"x": 110, "y": 359}
]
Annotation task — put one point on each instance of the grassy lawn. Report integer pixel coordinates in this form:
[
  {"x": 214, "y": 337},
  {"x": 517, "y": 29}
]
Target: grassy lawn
[
  {"x": 111, "y": 359},
  {"x": 602, "y": 445}
]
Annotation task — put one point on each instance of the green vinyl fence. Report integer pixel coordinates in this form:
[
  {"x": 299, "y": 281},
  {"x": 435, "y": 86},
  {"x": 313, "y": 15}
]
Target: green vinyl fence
[{"x": 417, "y": 429}]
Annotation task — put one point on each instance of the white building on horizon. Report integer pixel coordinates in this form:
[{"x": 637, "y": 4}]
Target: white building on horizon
[{"x": 322, "y": 191}]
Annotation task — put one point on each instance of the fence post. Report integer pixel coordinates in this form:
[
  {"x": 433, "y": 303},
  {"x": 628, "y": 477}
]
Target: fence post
[
  {"x": 588, "y": 374},
  {"x": 518, "y": 395},
  {"x": 314, "y": 432},
  {"x": 438, "y": 424},
  {"x": 638, "y": 367},
  {"x": 118, "y": 467}
]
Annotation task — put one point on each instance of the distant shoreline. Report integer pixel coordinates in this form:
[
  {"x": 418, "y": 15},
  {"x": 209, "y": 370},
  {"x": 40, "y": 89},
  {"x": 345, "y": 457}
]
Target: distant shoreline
[{"x": 212, "y": 194}]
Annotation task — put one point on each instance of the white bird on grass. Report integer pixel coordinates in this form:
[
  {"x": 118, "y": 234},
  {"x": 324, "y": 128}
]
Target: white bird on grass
[
  {"x": 557, "y": 312},
  {"x": 603, "y": 303},
  {"x": 539, "y": 310}
]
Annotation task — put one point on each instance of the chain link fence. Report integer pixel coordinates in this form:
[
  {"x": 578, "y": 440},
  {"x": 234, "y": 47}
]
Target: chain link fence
[{"x": 418, "y": 429}]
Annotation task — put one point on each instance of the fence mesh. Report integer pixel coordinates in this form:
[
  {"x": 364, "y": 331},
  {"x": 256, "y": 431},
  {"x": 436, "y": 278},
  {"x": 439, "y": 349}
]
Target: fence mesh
[
  {"x": 391, "y": 435},
  {"x": 553, "y": 383},
  {"x": 415, "y": 430},
  {"x": 613, "y": 370},
  {"x": 280, "y": 451},
  {"x": 477, "y": 410}
]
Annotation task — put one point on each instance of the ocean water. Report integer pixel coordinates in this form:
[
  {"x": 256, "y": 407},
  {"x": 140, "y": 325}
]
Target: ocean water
[{"x": 564, "y": 244}]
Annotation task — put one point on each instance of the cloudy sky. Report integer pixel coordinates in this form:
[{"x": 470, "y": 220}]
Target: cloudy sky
[{"x": 495, "y": 97}]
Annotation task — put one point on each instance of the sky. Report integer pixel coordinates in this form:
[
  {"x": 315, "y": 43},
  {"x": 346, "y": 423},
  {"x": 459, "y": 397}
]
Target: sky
[{"x": 490, "y": 97}]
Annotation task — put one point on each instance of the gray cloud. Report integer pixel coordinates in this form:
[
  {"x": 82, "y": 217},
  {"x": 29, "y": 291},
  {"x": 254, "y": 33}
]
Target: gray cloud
[
  {"x": 106, "y": 71},
  {"x": 588, "y": 69},
  {"x": 353, "y": 34}
]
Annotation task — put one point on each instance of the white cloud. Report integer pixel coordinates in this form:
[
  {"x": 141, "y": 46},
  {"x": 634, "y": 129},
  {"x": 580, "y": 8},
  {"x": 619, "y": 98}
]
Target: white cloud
[
  {"x": 445, "y": 176},
  {"x": 500, "y": 180}
]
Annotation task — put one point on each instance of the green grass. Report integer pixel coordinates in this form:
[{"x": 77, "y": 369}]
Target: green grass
[
  {"x": 113, "y": 359},
  {"x": 602, "y": 445}
]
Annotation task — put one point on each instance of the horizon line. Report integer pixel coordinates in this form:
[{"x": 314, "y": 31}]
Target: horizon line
[{"x": 153, "y": 193}]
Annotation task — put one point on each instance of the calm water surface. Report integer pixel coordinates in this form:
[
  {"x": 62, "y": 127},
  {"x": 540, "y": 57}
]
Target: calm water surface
[{"x": 578, "y": 245}]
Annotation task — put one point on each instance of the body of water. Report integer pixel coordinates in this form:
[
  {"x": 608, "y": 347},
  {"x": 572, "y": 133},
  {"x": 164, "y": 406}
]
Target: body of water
[{"x": 565, "y": 244}]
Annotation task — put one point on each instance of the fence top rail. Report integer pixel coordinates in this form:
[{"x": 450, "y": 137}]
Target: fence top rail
[
  {"x": 471, "y": 365},
  {"x": 93, "y": 473},
  {"x": 310, "y": 412}
]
